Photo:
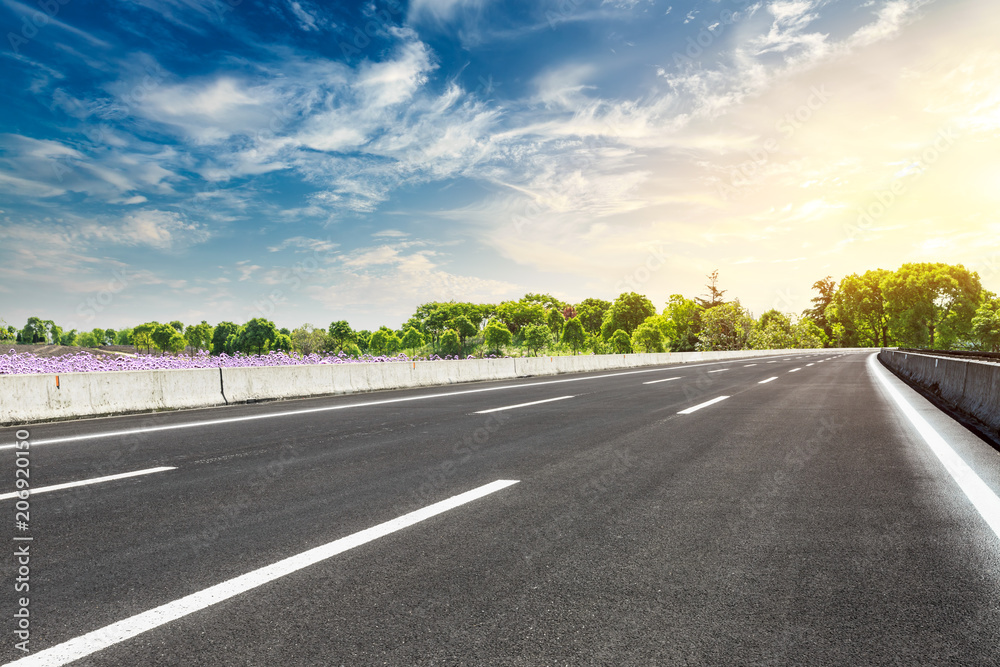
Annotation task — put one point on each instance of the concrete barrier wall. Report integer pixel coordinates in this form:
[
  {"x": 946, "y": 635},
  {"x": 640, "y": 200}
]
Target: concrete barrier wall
[
  {"x": 969, "y": 386},
  {"x": 33, "y": 398}
]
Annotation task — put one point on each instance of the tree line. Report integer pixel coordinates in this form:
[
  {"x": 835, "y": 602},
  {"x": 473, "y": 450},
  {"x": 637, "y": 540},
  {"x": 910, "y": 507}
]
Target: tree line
[{"x": 929, "y": 305}]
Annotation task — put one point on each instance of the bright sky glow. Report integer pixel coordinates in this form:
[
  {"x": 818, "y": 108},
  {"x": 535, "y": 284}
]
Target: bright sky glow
[{"x": 307, "y": 161}]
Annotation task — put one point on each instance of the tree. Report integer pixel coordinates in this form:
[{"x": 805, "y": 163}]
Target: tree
[
  {"x": 683, "y": 323},
  {"x": 282, "y": 342},
  {"x": 620, "y": 342},
  {"x": 53, "y": 332},
  {"x": 714, "y": 293},
  {"x": 450, "y": 342},
  {"x": 497, "y": 336},
  {"x": 69, "y": 338},
  {"x": 464, "y": 328},
  {"x": 806, "y": 334},
  {"x": 932, "y": 304},
  {"x": 176, "y": 343},
  {"x": 591, "y": 314},
  {"x": 33, "y": 331},
  {"x": 341, "y": 334},
  {"x": 517, "y": 315},
  {"x": 161, "y": 336},
  {"x": 827, "y": 289},
  {"x": 648, "y": 337},
  {"x": 627, "y": 312},
  {"x": 220, "y": 337},
  {"x": 574, "y": 335},
  {"x": 124, "y": 337},
  {"x": 726, "y": 326},
  {"x": 177, "y": 326},
  {"x": 199, "y": 336},
  {"x": 773, "y": 331},
  {"x": 8, "y": 334},
  {"x": 86, "y": 339},
  {"x": 412, "y": 339},
  {"x": 986, "y": 324},
  {"x": 860, "y": 306},
  {"x": 537, "y": 337},
  {"x": 257, "y": 336},
  {"x": 384, "y": 342},
  {"x": 142, "y": 336},
  {"x": 555, "y": 320},
  {"x": 307, "y": 339},
  {"x": 546, "y": 301}
]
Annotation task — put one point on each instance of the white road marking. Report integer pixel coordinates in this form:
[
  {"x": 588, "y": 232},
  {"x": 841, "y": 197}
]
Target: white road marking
[
  {"x": 807, "y": 365},
  {"x": 327, "y": 408},
  {"x": 85, "y": 482},
  {"x": 768, "y": 380},
  {"x": 982, "y": 497},
  {"x": 663, "y": 380},
  {"x": 702, "y": 405},
  {"x": 794, "y": 369},
  {"x": 719, "y": 370},
  {"x": 749, "y": 365},
  {"x": 522, "y": 405},
  {"x": 98, "y": 640},
  {"x": 772, "y": 362}
]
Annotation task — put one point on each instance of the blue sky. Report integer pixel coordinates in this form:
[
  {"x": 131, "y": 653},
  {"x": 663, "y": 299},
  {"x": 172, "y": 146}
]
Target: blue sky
[{"x": 307, "y": 161}]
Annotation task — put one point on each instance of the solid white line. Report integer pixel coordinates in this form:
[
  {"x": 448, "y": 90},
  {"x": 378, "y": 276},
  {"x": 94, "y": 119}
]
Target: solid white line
[
  {"x": 719, "y": 370},
  {"x": 702, "y": 405},
  {"x": 663, "y": 380},
  {"x": 115, "y": 633},
  {"x": 982, "y": 497},
  {"x": 768, "y": 380},
  {"x": 326, "y": 408},
  {"x": 96, "y": 480},
  {"x": 522, "y": 405},
  {"x": 794, "y": 369}
]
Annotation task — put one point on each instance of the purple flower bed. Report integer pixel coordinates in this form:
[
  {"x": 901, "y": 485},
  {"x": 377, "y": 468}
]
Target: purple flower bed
[{"x": 82, "y": 362}]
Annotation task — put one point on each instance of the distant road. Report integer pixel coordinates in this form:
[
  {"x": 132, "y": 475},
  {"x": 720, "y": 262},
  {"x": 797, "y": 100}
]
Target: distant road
[{"x": 784, "y": 511}]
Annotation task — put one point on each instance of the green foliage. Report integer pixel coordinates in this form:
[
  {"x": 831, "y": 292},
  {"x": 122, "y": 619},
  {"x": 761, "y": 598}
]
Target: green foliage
[
  {"x": 627, "y": 312},
  {"x": 986, "y": 324},
  {"x": 726, "y": 326},
  {"x": 546, "y": 301},
  {"x": 517, "y": 315},
  {"x": 806, "y": 334},
  {"x": 282, "y": 343},
  {"x": 591, "y": 314},
  {"x": 69, "y": 337},
  {"x": 124, "y": 337},
  {"x": 859, "y": 313},
  {"x": 464, "y": 327},
  {"x": 932, "y": 304},
  {"x": 574, "y": 335},
  {"x": 33, "y": 331},
  {"x": 307, "y": 339},
  {"x": 773, "y": 331},
  {"x": 412, "y": 339},
  {"x": 384, "y": 342},
  {"x": 221, "y": 337},
  {"x": 256, "y": 336},
  {"x": 714, "y": 293},
  {"x": 87, "y": 339},
  {"x": 176, "y": 343},
  {"x": 648, "y": 337},
  {"x": 827, "y": 289},
  {"x": 497, "y": 336},
  {"x": 361, "y": 339},
  {"x": 199, "y": 336},
  {"x": 161, "y": 336},
  {"x": 142, "y": 336},
  {"x": 450, "y": 342},
  {"x": 555, "y": 321},
  {"x": 341, "y": 335},
  {"x": 620, "y": 343},
  {"x": 537, "y": 337},
  {"x": 683, "y": 323}
]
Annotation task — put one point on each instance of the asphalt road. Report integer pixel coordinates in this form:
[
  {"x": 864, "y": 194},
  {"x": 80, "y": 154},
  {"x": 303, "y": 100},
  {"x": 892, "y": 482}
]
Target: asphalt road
[{"x": 802, "y": 520}]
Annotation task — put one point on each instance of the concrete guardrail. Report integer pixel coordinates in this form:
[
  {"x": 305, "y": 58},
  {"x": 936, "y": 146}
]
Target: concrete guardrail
[
  {"x": 47, "y": 397},
  {"x": 968, "y": 386}
]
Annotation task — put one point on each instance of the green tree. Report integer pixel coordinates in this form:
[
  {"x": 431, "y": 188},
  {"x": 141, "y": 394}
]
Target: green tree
[
  {"x": 555, "y": 321},
  {"x": 142, "y": 336},
  {"x": 726, "y": 326},
  {"x": 341, "y": 334},
  {"x": 620, "y": 343},
  {"x": 124, "y": 337},
  {"x": 573, "y": 334},
  {"x": 282, "y": 343},
  {"x": 806, "y": 334},
  {"x": 627, "y": 312},
  {"x": 177, "y": 326},
  {"x": 464, "y": 328},
  {"x": 86, "y": 339},
  {"x": 68, "y": 338},
  {"x": 648, "y": 337},
  {"x": 537, "y": 337},
  {"x": 497, "y": 336},
  {"x": 714, "y": 296},
  {"x": 412, "y": 339},
  {"x": 220, "y": 337},
  {"x": 591, "y": 314},
  {"x": 860, "y": 306},
  {"x": 199, "y": 336},
  {"x": 161, "y": 336},
  {"x": 176, "y": 343},
  {"x": 450, "y": 342},
  {"x": 517, "y": 315},
  {"x": 257, "y": 336},
  {"x": 986, "y": 324},
  {"x": 773, "y": 331},
  {"x": 683, "y": 323},
  {"x": 827, "y": 289},
  {"x": 307, "y": 339},
  {"x": 932, "y": 304},
  {"x": 384, "y": 342},
  {"x": 33, "y": 331}
]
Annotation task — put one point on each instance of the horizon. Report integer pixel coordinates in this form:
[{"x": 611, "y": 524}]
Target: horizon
[{"x": 189, "y": 161}]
